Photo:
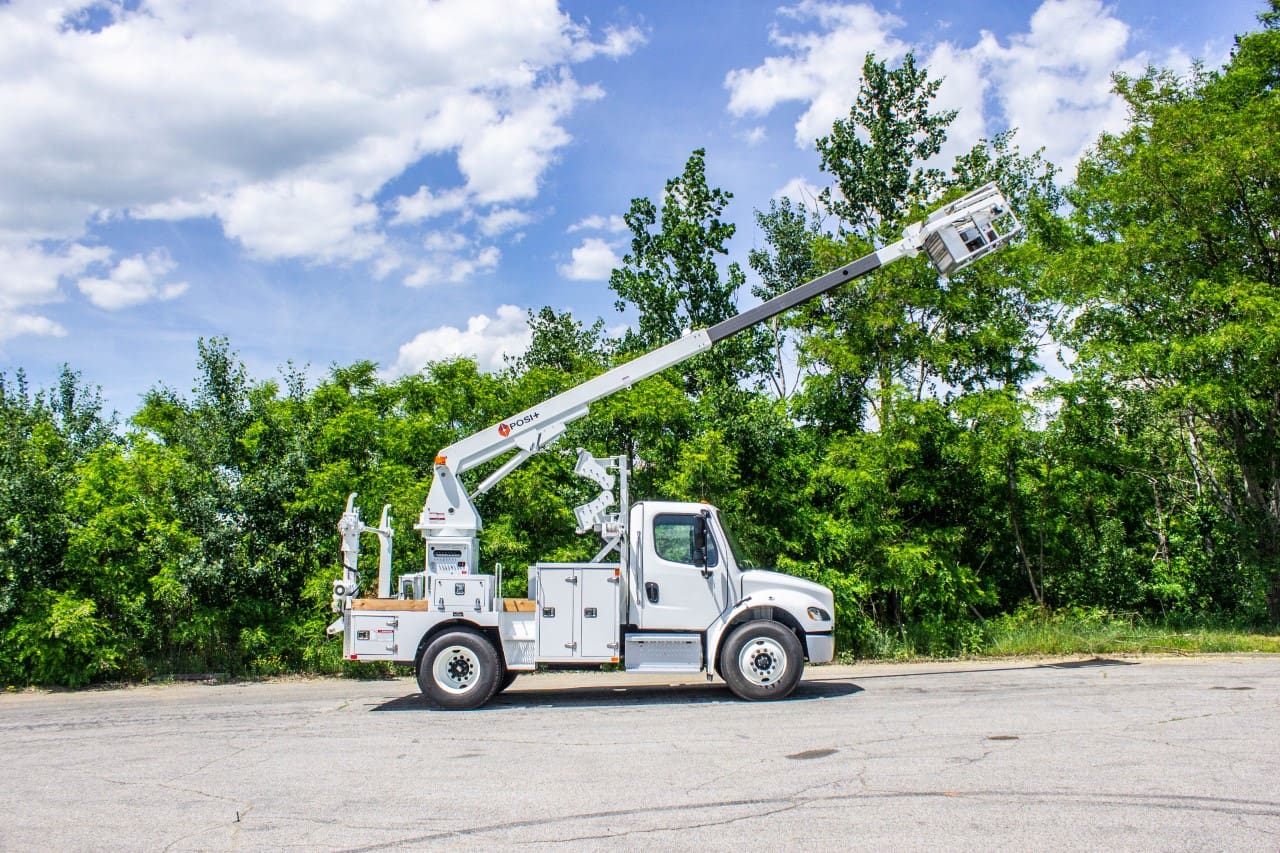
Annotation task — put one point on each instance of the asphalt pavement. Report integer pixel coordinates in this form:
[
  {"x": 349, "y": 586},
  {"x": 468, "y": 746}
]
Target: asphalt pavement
[{"x": 1110, "y": 753}]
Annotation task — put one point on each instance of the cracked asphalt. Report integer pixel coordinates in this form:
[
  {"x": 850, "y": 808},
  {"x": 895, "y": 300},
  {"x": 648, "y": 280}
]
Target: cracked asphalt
[{"x": 1122, "y": 754}]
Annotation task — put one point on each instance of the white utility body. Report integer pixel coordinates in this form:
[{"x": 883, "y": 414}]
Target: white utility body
[{"x": 668, "y": 591}]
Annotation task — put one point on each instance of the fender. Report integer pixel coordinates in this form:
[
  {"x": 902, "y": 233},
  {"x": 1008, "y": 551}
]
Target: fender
[{"x": 761, "y": 604}]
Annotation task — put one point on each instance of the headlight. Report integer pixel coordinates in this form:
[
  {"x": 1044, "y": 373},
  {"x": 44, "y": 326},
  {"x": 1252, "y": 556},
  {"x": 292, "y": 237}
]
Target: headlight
[{"x": 817, "y": 614}]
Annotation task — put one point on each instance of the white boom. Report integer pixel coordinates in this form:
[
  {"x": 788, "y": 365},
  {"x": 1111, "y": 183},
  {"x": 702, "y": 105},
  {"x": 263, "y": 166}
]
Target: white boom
[{"x": 953, "y": 237}]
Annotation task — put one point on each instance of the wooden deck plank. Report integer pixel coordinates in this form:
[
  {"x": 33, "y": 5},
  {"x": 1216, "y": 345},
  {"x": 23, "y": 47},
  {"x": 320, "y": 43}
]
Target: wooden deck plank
[{"x": 389, "y": 604}]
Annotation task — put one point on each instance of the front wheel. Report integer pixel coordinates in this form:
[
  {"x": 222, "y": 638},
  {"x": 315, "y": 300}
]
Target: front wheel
[
  {"x": 762, "y": 660},
  {"x": 459, "y": 670}
]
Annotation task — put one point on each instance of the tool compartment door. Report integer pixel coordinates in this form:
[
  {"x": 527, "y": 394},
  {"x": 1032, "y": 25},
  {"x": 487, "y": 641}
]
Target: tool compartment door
[
  {"x": 557, "y": 595},
  {"x": 599, "y": 614},
  {"x": 373, "y": 635}
]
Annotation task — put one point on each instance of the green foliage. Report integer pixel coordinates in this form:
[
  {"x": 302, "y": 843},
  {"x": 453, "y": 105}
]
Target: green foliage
[
  {"x": 672, "y": 277},
  {"x": 1173, "y": 277},
  {"x": 879, "y": 178}
]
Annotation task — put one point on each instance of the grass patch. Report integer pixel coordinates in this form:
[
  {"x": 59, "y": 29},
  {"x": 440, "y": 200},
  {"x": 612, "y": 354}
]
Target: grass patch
[
  {"x": 1095, "y": 632},
  {"x": 1031, "y": 632}
]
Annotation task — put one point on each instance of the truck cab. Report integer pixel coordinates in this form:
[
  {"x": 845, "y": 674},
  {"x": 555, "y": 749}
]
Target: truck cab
[{"x": 689, "y": 573}]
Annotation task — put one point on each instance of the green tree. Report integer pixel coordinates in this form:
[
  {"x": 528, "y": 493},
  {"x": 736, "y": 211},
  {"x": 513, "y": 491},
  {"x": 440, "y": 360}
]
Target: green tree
[
  {"x": 672, "y": 277},
  {"x": 49, "y": 626},
  {"x": 1176, "y": 275}
]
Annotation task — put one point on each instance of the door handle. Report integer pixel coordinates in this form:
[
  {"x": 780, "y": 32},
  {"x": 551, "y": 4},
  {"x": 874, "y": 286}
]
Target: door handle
[{"x": 651, "y": 592}]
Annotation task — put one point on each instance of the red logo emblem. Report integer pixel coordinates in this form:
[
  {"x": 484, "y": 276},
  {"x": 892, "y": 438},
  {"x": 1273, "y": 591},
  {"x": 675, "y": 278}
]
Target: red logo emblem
[{"x": 504, "y": 430}]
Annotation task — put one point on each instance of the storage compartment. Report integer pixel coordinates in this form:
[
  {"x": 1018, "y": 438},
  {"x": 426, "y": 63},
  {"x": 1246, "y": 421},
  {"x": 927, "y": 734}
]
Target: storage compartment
[
  {"x": 664, "y": 653},
  {"x": 373, "y": 636},
  {"x": 577, "y": 611},
  {"x": 462, "y": 593}
]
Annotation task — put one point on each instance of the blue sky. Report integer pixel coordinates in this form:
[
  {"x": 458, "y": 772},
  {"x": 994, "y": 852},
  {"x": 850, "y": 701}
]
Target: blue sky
[{"x": 397, "y": 181}]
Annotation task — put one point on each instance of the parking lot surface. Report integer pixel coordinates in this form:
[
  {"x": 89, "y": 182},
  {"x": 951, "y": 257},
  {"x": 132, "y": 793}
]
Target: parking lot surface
[{"x": 1127, "y": 754}]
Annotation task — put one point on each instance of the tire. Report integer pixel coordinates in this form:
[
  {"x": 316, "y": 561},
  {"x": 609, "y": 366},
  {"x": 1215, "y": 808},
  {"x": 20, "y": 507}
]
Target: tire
[
  {"x": 459, "y": 670},
  {"x": 508, "y": 678},
  {"x": 762, "y": 660}
]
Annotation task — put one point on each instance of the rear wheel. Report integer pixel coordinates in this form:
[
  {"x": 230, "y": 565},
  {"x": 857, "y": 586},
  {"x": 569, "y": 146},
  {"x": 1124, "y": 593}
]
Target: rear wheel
[
  {"x": 459, "y": 670},
  {"x": 762, "y": 660}
]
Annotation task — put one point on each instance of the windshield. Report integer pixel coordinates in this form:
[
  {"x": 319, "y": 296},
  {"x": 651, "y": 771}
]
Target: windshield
[{"x": 740, "y": 555}]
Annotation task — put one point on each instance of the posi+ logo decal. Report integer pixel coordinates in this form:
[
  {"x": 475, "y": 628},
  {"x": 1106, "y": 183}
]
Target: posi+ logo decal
[{"x": 504, "y": 429}]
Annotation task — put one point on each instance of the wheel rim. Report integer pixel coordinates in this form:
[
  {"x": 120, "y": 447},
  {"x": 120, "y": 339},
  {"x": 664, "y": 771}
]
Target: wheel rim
[
  {"x": 456, "y": 669},
  {"x": 762, "y": 660}
]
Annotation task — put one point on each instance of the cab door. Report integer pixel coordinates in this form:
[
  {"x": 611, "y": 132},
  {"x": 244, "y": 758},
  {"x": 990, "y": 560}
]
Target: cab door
[{"x": 675, "y": 593}]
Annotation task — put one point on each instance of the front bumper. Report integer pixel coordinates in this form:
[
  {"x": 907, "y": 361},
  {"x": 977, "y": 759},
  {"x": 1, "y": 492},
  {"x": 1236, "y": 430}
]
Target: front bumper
[{"x": 821, "y": 648}]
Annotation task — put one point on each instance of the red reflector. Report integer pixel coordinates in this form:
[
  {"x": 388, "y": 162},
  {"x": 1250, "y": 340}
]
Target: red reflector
[{"x": 355, "y": 657}]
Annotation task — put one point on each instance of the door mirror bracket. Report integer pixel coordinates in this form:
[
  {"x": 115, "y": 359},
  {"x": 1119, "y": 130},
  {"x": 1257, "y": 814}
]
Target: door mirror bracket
[{"x": 699, "y": 543}]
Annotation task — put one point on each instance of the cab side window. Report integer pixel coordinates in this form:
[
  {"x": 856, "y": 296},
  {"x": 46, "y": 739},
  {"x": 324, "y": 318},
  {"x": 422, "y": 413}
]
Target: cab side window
[{"x": 673, "y": 540}]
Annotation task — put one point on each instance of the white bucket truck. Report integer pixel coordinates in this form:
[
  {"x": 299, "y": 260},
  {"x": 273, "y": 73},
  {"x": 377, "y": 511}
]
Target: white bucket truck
[{"x": 676, "y": 598}]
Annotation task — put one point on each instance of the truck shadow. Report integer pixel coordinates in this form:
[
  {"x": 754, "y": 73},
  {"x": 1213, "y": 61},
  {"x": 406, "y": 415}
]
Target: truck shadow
[
  {"x": 1013, "y": 666},
  {"x": 628, "y": 697},
  {"x": 640, "y": 695}
]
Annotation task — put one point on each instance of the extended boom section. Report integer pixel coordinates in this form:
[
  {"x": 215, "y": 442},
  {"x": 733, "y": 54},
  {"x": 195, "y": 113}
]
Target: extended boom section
[{"x": 677, "y": 600}]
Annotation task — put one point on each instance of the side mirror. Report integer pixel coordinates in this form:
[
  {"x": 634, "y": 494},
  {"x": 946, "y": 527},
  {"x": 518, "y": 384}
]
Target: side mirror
[{"x": 700, "y": 541}]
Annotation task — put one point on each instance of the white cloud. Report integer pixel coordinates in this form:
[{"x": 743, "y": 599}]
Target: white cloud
[
  {"x": 504, "y": 158},
  {"x": 307, "y": 219},
  {"x": 802, "y": 193},
  {"x": 614, "y": 224},
  {"x": 424, "y": 204},
  {"x": 134, "y": 281},
  {"x": 617, "y": 44},
  {"x": 819, "y": 68},
  {"x": 444, "y": 241},
  {"x": 591, "y": 261},
  {"x": 13, "y": 325},
  {"x": 447, "y": 263},
  {"x": 29, "y": 273},
  {"x": 1054, "y": 85},
  {"x": 964, "y": 88},
  {"x": 503, "y": 219},
  {"x": 29, "y": 276},
  {"x": 283, "y": 122},
  {"x": 486, "y": 339},
  {"x": 1053, "y": 81}
]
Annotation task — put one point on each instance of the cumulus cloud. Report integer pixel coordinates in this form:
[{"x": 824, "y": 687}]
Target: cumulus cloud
[
  {"x": 819, "y": 68},
  {"x": 591, "y": 261},
  {"x": 1051, "y": 83},
  {"x": 503, "y": 219},
  {"x": 1055, "y": 86},
  {"x": 613, "y": 224},
  {"x": 134, "y": 281},
  {"x": 489, "y": 340},
  {"x": 448, "y": 260},
  {"x": 29, "y": 276},
  {"x": 425, "y": 204},
  {"x": 281, "y": 122},
  {"x": 802, "y": 193},
  {"x": 311, "y": 220},
  {"x": 12, "y": 325}
]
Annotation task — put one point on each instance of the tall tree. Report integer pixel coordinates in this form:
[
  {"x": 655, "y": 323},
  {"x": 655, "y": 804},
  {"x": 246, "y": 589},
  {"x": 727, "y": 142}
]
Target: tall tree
[
  {"x": 672, "y": 276},
  {"x": 1177, "y": 278}
]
